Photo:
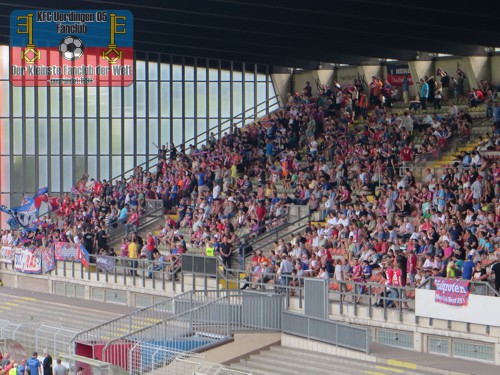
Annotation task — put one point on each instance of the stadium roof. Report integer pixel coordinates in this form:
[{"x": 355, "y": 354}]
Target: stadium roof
[{"x": 292, "y": 33}]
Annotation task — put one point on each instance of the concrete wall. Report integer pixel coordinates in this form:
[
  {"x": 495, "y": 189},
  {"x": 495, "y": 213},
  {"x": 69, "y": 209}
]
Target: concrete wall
[
  {"x": 419, "y": 69},
  {"x": 480, "y": 67},
  {"x": 495, "y": 68},
  {"x": 421, "y": 328},
  {"x": 301, "y": 77},
  {"x": 366, "y": 72},
  {"x": 326, "y": 76},
  {"x": 346, "y": 74},
  {"x": 473, "y": 312},
  {"x": 282, "y": 85}
]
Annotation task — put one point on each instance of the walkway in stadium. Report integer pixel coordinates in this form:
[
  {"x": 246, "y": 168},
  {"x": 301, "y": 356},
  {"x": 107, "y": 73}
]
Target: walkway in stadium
[
  {"x": 281, "y": 360},
  {"x": 20, "y": 306}
]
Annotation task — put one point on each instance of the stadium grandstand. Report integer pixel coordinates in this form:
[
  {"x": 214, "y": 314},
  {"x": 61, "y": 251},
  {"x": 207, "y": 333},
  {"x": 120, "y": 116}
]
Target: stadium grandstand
[{"x": 219, "y": 186}]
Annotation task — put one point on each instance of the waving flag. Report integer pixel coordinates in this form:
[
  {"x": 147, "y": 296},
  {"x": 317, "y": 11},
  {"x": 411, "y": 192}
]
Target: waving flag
[
  {"x": 40, "y": 197},
  {"x": 25, "y": 216},
  {"x": 83, "y": 255}
]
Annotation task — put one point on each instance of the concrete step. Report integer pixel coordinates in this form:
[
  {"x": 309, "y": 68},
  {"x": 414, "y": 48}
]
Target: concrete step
[
  {"x": 19, "y": 310},
  {"x": 329, "y": 361}
]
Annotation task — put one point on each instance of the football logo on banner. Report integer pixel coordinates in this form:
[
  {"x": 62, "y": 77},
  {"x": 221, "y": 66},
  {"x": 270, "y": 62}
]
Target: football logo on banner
[{"x": 71, "y": 48}]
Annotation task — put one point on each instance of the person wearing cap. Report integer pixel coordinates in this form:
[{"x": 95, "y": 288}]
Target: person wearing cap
[{"x": 34, "y": 365}]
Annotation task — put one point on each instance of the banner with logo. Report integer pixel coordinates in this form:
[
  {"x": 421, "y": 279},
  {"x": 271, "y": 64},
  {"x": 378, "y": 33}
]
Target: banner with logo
[
  {"x": 452, "y": 291},
  {"x": 396, "y": 74},
  {"x": 67, "y": 251},
  {"x": 7, "y": 254},
  {"x": 28, "y": 261},
  {"x": 60, "y": 47},
  {"x": 105, "y": 263}
]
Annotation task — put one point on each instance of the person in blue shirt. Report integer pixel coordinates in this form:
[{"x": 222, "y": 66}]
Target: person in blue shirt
[
  {"x": 34, "y": 365},
  {"x": 467, "y": 268},
  {"x": 424, "y": 93},
  {"x": 200, "y": 178},
  {"x": 21, "y": 369},
  {"x": 123, "y": 214}
]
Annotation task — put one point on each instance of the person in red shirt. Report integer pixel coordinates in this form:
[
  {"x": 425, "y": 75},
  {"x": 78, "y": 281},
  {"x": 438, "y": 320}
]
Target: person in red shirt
[
  {"x": 261, "y": 212},
  {"x": 132, "y": 222},
  {"x": 406, "y": 155},
  {"x": 150, "y": 245},
  {"x": 411, "y": 266}
]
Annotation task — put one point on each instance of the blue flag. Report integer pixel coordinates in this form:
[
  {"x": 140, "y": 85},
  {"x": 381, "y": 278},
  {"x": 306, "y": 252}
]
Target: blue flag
[{"x": 25, "y": 216}]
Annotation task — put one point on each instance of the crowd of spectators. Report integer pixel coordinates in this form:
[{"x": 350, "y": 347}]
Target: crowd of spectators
[
  {"x": 360, "y": 181},
  {"x": 35, "y": 365},
  {"x": 376, "y": 216}
]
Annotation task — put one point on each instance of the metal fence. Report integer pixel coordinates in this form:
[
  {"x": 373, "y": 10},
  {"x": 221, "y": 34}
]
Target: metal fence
[
  {"x": 182, "y": 365},
  {"x": 137, "y": 320},
  {"x": 37, "y": 337},
  {"x": 197, "y": 328},
  {"x": 200, "y": 325},
  {"x": 348, "y": 336},
  {"x": 155, "y": 360},
  {"x": 480, "y": 288},
  {"x": 125, "y": 271}
]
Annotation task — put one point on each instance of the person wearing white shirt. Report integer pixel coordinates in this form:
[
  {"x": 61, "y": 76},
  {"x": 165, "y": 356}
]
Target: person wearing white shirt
[
  {"x": 333, "y": 221},
  {"x": 477, "y": 188},
  {"x": 216, "y": 191}
]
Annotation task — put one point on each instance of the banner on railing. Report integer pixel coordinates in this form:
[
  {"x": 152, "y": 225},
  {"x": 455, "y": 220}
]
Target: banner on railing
[
  {"x": 28, "y": 261},
  {"x": 48, "y": 259},
  {"x": 7, "y": 254},
  {"x": 451, "y": 291},
  {"x": 105, "y": 263},
  {"x": 67, "y": 251}
]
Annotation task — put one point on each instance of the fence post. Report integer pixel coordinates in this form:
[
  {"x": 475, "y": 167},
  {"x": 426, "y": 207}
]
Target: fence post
[{"x": 368, "y": 340}]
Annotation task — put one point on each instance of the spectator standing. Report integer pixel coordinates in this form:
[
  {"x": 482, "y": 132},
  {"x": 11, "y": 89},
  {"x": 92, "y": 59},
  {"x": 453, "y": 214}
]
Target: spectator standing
[
  {"x": 445, "y": 83},
  {"x": 405, "y": 87},
  {"x": 467, "y": 268},
  {"x": 424, "y": 93},
  {"x": 33, "y": 364},
  {"x": 225, "y": 252},
  {"x": 133, "y": 254},
  {"x": 59, "y": 369},
  {"x": 438, "y": 95},
  {"x": 47, "y": 363},
  {"x": 150, "y": 245}
]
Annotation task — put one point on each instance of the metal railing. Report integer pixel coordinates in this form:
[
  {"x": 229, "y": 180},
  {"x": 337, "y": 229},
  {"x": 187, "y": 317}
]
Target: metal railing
[
  {"x": 129, "y": 323},
  {"x": 195, "y": 328},
  {"x": 325, "y": 330},
  {"x": 153, "y": 211},
  {"x": 37, "y": 336},
  {"x": 152, "y": 359},
  {"x": 273, "y": 231},
  {"x": 126, "y": 271},
  {"x": 188, "y": 364},
  {"x": 480, "y": 288},
  {"x": 201, "y": 324}
]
